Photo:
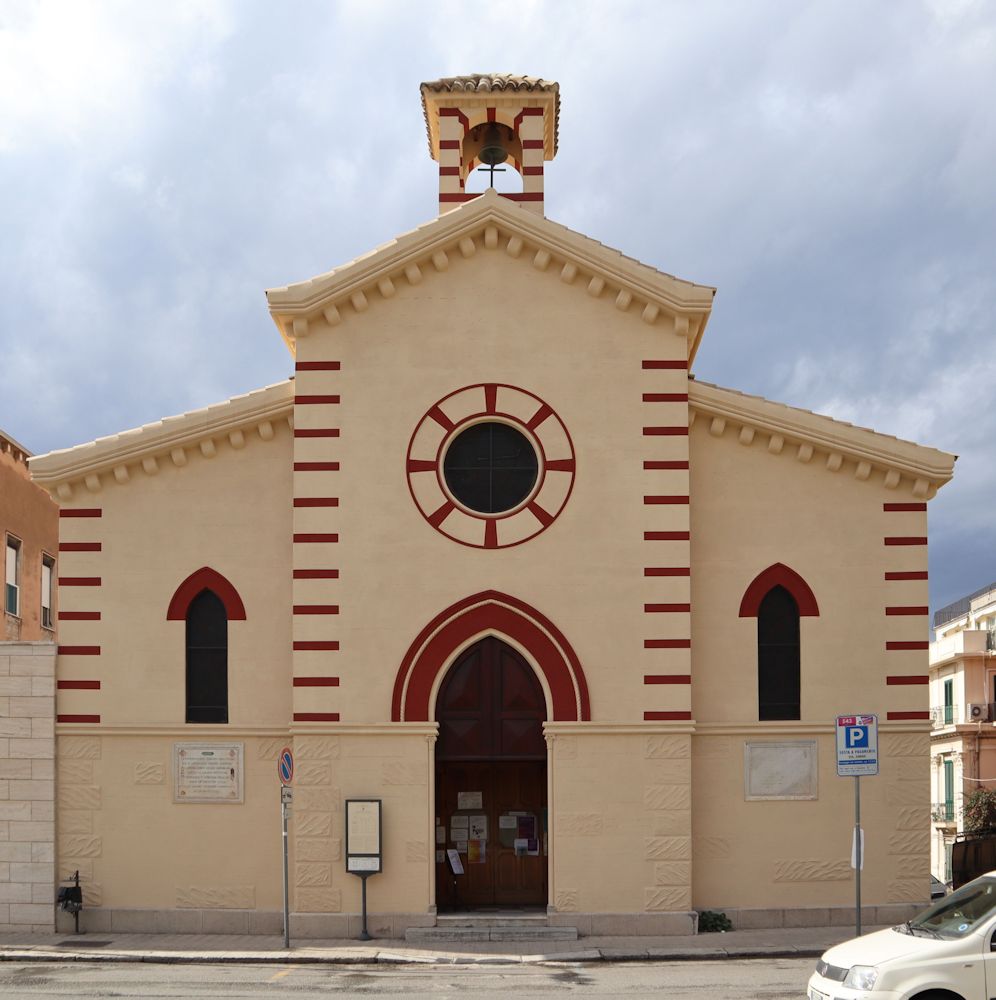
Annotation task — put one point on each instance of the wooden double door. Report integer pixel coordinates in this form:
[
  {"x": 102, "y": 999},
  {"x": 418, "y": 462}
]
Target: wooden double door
[{"x": 491, "y": 781}]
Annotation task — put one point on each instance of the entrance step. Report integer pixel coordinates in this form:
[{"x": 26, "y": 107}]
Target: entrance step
[{"x": 491, "y": 926}]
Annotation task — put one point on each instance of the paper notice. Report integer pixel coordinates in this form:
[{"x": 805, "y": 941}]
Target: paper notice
[
  {"x": 470, "y": 800},
  {"x": 508, "y": 822},
  {"x": 479, "y": 827}
]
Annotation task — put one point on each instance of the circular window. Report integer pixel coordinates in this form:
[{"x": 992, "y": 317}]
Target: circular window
[{"x": 490, "y": 467}]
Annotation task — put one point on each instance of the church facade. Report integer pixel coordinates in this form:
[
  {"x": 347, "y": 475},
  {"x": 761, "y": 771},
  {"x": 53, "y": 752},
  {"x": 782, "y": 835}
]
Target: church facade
[{"x": 497, "y": 559}]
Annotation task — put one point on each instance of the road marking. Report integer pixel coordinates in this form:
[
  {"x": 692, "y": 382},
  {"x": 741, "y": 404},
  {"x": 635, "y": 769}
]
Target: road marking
[{"x": 280, "y": 975}]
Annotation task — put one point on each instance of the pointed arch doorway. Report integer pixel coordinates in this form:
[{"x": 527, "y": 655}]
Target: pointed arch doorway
[{"x": 491, "y": 750}]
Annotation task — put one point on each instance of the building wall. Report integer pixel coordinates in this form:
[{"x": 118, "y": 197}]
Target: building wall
[
  {"x": 752, "y": 508},
  {"x": 121, "y": 676},
  {"x": 28, "y": 513},
  {"x": 27, "y": 785}
]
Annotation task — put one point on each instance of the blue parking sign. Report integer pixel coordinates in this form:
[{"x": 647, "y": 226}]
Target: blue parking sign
[{"x": 857, "y": 745}]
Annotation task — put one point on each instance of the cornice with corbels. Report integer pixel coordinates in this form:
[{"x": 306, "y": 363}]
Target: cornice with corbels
[
  {"x": 120, "y": 459},
  {"x": 603, "y": 274},
  {"x": 811, "y": 438}
]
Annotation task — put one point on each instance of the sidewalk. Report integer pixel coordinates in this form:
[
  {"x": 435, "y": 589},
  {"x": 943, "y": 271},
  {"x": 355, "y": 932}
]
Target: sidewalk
[{"x": 208, "y": 949}]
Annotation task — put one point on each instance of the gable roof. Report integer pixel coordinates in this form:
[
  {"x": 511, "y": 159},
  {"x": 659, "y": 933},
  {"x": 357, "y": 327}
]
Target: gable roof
[{"x": 491, "y": 222}]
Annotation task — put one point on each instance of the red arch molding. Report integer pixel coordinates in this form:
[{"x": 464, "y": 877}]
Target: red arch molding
[
  {"x": 205, "y": 578},
  {"x": 774, "y": 576},
  {"x": 504, "y": 615}
]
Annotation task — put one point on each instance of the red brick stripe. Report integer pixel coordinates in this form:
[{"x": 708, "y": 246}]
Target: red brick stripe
[
  {"x": 306, "y": 400},
  {"x": 524, "y": 196},
  {"x": 79, "y": 616},
  {"x": 80, "y": 546},
  {"x": 316, "y": 466},
  {"x": 917, "y": 609},
  {"x": 420, "y": 465},
  {"x": 302, "y": 537},
  {"x": 316, "y": 432},
  {"x": 907, "y": 679},
  {"x": 544, "y": 517},
  {"x": 905, "y": 540},
  {"x": 316, "y": 716},
  {"x": 79, "y": 581},
  {"x": 538, "y": 417},
  {"x": 316, "y": 609},
  {"x": 666, "y": 716},
  {"x": 667, "y": 643},
  {"x": 667, "y": 571},
  {"x": 532, "y": 171},
  {"x": 316, "y": 574},
  {"x": 317, "y": 366},
  {"x": 560, "y": 465},
  {"x": 458, "y": 197},
  {"x": 904, "y": 506},
  {"x": 532, "y": 143},
  {"x": 665, "y": 500},
  {"x": 441, "y": 513},
  {"x": 666, "y": 536},
  {"x": 449, "y": 171},
  {"x": 667, "y": 678},
  {"x": 490, "y": 397},
  {"x": 655, "y": 608},
  {"x": 316, "y": 682},
  {"x": 665, "y": 397},
  {"x": 78, "y": 718},
  {"x": 78, "y": 685},
  {"x": 444, "y": 421},
  {"x": 449, "y": 143},
  {"x": 916, "y": 574},
  {"x": 668, "y": 365},
  {"x": 655, "y": 465},
  {"x": 81, "y": 512},
  {"x": 907, "y": 645},
  {"x": 312, "y": 644},
  {"x": 316, "y": 501},
  {"x": 78, "y": 650},
  {"x": 665, "y": 431},
  {"x": 900, "y": 716}
]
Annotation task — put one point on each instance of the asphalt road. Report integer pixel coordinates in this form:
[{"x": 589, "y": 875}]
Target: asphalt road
[{"x": 742, "y": 980}]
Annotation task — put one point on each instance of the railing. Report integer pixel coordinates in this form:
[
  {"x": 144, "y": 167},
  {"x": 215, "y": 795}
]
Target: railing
[
  {"x": 943, "y": 812},
  {"x": 944, "y": 715}
]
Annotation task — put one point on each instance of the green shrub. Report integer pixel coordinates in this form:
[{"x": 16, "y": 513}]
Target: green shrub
[
  {"x": 710, "y": 921},
  {"x": 980, "y": 811}
]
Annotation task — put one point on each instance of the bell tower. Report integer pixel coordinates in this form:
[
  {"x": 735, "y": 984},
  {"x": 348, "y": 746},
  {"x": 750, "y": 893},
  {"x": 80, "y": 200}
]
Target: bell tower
[{"x": 487, "y": 120}]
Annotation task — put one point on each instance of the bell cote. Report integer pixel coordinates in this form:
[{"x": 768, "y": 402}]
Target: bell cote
[{"x": 491, "y": 120}]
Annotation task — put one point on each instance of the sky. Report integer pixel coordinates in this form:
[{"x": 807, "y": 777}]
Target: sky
[{"x": 829, "y": 166}]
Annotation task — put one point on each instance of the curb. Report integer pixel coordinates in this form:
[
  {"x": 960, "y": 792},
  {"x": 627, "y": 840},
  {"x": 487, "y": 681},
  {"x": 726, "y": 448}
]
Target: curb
[{"x": 396, "y": 958}]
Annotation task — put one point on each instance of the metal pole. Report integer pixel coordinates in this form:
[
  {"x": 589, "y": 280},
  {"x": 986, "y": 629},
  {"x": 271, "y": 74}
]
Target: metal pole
[
  {"x": 858, "y": 856},
  {"x": 283, "y": 821},
  {"x": 364, "y": 934}
]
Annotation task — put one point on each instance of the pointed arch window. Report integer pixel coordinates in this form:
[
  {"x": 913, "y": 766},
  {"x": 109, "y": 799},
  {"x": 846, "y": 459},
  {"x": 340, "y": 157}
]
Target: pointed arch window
[
  {"x": 206, "y": 602},
  {"x": 778, "y": 598},
  {"x": 207, "y": 659}
]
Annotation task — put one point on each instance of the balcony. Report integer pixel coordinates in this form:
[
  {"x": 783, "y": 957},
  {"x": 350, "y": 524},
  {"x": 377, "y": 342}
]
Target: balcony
[
  {"x": 967, "y": 643},
  {"x": 945, "y": 715},
  {"x": 944, "y": 812}
]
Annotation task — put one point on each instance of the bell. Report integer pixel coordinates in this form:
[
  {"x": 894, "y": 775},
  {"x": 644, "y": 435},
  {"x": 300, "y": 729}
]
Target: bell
[{"x": 493, "y": 149}]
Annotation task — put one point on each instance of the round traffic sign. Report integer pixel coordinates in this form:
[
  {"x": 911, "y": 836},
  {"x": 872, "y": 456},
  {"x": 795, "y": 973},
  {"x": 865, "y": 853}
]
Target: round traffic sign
[{"x": 285, "y": 766}]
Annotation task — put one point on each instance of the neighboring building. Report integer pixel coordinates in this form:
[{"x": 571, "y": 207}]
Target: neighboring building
[
  {"x": 29, "y": 525},
  {"x": 495, "y": 558},
  {"x": 963, "y": 713},
  {"x": 29, "y": 530}
]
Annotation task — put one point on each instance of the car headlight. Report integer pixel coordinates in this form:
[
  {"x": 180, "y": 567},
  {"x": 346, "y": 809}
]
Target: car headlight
[{"x": 861, "y": 977}]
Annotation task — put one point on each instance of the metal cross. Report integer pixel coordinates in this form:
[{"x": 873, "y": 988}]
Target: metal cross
[{"x": 491, "y": 167}]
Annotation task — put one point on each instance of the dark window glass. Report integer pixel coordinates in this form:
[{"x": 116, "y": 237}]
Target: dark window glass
[
  {"x": 207, "y": 659},
  {"x": 778, "y": 688},
  {"x": 490, "y": 467}
]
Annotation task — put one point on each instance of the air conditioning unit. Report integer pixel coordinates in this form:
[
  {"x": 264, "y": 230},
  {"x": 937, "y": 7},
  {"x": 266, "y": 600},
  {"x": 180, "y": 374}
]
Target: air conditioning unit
[{"x": 978, "y": 713}]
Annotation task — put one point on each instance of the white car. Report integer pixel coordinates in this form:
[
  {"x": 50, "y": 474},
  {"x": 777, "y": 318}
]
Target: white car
[{"x": 945, "y": 953}]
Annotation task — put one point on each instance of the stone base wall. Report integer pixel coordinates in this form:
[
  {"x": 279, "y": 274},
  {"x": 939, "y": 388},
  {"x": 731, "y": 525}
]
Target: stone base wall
[
  {"x": 27, "y": 786},
  {"x": 821, "y": 916}
]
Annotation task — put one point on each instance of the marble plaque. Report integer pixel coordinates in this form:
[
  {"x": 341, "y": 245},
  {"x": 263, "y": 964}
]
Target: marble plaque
[
  {"x": 208, "y": 772},
  {"x": 785, "y": 769}
]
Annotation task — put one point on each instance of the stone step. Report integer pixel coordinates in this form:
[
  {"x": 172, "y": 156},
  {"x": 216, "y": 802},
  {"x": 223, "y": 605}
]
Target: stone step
[
  {"x": 491, "y": 920},
  {"x": 509, "y": 932}
]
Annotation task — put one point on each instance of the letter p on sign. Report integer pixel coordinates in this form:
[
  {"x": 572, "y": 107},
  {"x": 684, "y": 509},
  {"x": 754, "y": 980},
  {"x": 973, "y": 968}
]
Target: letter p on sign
[{"x": 857, "y": 736}]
